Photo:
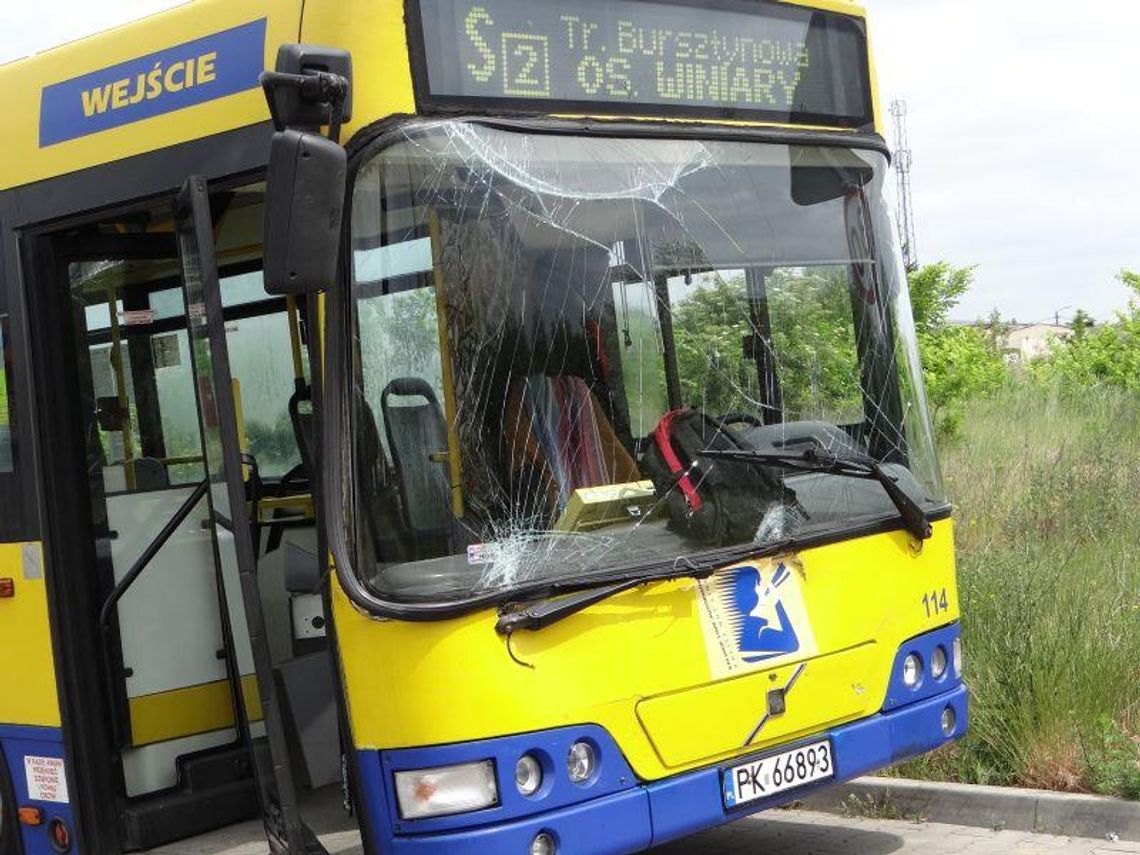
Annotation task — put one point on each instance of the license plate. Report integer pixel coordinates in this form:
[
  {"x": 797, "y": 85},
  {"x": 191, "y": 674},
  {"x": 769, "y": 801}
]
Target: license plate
[{"x": 777, "y": 773}]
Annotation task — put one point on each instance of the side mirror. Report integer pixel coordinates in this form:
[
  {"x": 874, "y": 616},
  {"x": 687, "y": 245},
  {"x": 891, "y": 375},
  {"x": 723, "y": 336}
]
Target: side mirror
[{"x": 304, "y": 201}]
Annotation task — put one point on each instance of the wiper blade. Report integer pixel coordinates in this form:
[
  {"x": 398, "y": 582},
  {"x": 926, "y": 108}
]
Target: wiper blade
[
  {"x": 544, "y": 612},
  {"x": 821, "y": 460}
]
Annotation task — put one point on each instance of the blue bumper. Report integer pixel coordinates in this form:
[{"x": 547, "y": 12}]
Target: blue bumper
[{"x": 629, "y": 817}]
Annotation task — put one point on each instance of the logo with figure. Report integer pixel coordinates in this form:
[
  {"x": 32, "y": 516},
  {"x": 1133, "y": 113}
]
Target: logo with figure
[{"x": 753, "y": 616}]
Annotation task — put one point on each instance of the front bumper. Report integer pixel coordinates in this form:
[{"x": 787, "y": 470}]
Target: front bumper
[{"x": 633, "y": 818}]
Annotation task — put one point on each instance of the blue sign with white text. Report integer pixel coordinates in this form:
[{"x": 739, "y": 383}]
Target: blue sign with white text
[{"x": 211, "y": 67}]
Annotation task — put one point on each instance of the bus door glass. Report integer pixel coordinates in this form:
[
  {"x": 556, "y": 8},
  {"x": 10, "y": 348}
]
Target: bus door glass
[
  {"x": 228, "y": 472},
  {"x": 163, "y": 636}
]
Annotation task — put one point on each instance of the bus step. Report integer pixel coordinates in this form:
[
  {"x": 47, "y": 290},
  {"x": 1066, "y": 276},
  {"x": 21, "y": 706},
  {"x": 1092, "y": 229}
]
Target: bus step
[{"x": 216, "y": 789}]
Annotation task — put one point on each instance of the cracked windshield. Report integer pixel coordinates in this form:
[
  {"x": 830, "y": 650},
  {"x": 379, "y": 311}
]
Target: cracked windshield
[{"x": 566, "y": 349}]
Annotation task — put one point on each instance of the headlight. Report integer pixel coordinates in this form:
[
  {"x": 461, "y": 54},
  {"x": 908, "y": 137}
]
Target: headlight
[
  {"x": 911, "y": 670},
  {"x": 446, "y": 790},
  {"x": 957, "y": 654},
  {"x": 528, "y": 775},
  {"x": 582, "y": 762},
  {"x": 938, "y": 662}
]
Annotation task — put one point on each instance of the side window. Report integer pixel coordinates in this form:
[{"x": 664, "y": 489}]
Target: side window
[
  {"x": 642, "y": 355},
  {"x": 261, "y": 360},
  {"x": 711, "y": 323},
  {"x": 6, "y": 463},
  {"x": 142, "y": 383},
  {"x": 398, "y": 320},
  {"x": 813, "y": 338},
  {"x": 719, "y": 320},
  {"x": 141, "y": 398}
]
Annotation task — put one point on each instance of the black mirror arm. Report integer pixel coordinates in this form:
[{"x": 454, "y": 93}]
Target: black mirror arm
[{"x": 315, "y": 87}]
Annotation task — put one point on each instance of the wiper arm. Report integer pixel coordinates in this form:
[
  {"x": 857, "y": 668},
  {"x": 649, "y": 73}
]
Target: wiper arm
[
  {"x": 820, "y": 460},
  {"x": 544, "y": 612}
]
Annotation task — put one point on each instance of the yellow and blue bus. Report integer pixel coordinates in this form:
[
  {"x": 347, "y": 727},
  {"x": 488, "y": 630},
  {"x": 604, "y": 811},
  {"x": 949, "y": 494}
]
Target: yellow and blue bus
[{"x": 503, "y": 418}]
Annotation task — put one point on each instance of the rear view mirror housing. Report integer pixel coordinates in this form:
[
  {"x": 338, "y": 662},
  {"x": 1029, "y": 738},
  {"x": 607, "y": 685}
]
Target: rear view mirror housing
[{"x": 304, "y": 203}]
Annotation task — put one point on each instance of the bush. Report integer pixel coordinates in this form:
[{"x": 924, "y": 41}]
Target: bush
[
  {"x": 1048, "y": 565},
  {"x": 1098, "y": 357},
  {"x": 959, "y": 364}
]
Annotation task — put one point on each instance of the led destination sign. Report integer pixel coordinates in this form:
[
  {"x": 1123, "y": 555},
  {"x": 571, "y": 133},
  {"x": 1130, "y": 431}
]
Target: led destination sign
[{"x": 741, "y": 59}]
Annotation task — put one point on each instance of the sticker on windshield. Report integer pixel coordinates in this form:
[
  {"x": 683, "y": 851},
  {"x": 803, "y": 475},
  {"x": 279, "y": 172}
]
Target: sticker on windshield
[{"x": 753, "y": 616}]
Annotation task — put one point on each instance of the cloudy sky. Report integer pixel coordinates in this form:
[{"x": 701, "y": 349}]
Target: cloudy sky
[{"x": 1023, "y": 118}]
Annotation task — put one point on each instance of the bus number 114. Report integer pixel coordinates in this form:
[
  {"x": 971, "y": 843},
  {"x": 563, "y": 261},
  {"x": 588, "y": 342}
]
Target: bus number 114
[{"x": 935, "y": 603}]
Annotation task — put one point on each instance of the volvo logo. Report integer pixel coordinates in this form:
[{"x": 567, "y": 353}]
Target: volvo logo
[{"x": 777, "y": 703}]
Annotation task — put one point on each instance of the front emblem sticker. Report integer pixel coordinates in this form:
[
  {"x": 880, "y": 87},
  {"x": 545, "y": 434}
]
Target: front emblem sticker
[{"x": 753, "y": 616}]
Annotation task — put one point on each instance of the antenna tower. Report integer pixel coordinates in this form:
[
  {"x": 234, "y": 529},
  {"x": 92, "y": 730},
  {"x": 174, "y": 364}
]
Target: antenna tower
[{"x": 902, "y": 163}]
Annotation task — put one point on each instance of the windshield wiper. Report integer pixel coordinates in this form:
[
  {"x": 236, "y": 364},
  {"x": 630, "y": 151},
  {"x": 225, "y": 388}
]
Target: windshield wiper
[
  {"x": 544, "y": 612},
  {"x": 822, "y": 460}
]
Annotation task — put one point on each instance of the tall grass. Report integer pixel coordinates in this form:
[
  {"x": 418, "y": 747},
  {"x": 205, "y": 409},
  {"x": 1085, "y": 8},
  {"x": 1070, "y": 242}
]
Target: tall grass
[{"x": 1047, "y": 498}]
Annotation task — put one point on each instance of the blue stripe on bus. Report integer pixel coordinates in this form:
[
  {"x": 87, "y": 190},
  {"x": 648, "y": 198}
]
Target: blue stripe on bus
[{"x": 190, "y": 73}]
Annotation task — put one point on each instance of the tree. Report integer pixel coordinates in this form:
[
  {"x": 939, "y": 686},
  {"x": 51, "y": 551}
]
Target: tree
[
  {"x": 1081, "y": 323},
  {"x": 813, "y": 341},
  {"x": 959, "y": 362},
  {"x": 1107, "y": 355},
  {"x": 936, "y": 289}
]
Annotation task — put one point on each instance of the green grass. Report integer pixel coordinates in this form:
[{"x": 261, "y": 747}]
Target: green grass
[{"x": 1047, "y": 500}]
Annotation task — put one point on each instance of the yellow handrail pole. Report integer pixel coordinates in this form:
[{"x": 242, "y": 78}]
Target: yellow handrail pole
[
  {"x": 295, "y": 337},
  {"x": 450, "y": 409}
]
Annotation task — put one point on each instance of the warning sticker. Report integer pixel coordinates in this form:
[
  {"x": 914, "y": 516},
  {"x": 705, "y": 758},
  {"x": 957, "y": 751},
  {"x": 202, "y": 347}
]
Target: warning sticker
[{"x": 47, "y": 781}]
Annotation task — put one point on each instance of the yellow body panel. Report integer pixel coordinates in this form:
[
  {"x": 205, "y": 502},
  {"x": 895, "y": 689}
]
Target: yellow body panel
[
  {"x": 727, "y": 710},
  {"x": 27, "y": 675},
  {"x": 427, "y": 683},
  {"x": 372, "y": 30}
]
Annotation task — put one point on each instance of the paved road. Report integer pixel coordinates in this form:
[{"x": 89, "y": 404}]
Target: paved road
[
  {"x": 794, "y": 832},
  {"x": 791, "y": 832}
]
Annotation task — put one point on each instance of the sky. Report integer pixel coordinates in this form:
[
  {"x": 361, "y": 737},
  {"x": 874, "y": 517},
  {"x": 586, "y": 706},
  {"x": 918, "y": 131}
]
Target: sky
[{"x": 1023, "y": 119}]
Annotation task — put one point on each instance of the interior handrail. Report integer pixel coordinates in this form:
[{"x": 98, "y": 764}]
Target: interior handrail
[{"x": 151, "y": 550}]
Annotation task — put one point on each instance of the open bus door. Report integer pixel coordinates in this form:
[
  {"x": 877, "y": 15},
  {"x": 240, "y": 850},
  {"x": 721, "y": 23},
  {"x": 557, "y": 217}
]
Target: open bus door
[{"x": 259, "y": 711}]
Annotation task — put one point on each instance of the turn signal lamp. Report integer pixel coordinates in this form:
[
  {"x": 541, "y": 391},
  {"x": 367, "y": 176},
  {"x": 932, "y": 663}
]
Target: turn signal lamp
[
  {"x": 446, "y": 790},
  {"x": 7, "y": 588},
  {"x": 30, "y": 816}
]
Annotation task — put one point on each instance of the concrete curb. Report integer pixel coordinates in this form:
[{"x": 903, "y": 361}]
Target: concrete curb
[{"x": 1040, "y": 811}]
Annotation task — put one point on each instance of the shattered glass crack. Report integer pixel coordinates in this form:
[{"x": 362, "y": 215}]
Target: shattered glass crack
[{"x": 550, "y": 329}]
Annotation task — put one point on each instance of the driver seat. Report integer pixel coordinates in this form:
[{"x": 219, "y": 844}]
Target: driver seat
[{"x": 559, "y": 440}]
